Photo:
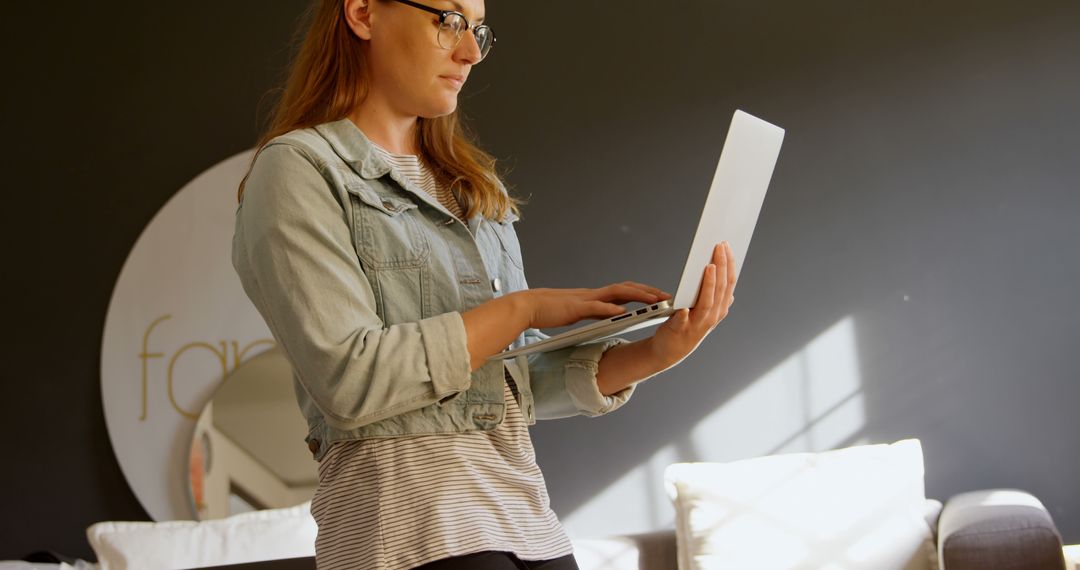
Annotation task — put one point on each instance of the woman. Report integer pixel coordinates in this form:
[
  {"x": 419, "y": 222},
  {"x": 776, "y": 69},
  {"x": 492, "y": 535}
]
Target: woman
[{"x": 378, "y": 244}]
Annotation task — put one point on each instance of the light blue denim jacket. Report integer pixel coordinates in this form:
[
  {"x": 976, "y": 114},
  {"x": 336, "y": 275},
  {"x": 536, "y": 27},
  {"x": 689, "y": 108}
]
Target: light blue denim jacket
[{"x": 362, "y": 278}]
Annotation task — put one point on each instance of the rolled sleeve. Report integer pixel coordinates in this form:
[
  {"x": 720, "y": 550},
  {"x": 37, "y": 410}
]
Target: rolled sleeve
[
  {"x": 564, "y": 381},
  {"x": 581, "y": 368},
  {"x": 445, "y": 341}
]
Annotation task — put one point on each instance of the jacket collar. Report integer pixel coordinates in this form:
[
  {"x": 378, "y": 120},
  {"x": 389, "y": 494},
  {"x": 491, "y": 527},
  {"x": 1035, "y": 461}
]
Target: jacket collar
[{"x": 355, "y": 148}]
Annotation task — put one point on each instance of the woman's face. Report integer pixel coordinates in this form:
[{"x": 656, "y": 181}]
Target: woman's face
[{"x": 407, "y": 66}]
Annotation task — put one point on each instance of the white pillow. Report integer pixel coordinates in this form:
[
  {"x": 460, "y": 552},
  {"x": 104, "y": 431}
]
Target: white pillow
[
  {"x": 860, "y": 507},
  {"x": 247, "y": 537}
]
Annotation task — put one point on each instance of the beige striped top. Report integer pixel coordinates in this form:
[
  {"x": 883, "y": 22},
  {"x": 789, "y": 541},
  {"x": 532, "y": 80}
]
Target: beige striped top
[
  {"x": 397, "y": 503},
  {"x": 419, "y": 174}
]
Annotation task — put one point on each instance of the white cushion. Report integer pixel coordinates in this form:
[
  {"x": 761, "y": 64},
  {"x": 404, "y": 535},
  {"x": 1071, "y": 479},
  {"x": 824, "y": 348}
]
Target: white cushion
[
  {"x": 860, "y": 507},
  {"x": 246, "y": 537}
]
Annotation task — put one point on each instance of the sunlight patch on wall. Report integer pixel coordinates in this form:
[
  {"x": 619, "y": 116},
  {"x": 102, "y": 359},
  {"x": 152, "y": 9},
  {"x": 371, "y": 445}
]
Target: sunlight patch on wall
[
  {"x": 634, "y": 503},
  {"x": 811, "y": 401}
]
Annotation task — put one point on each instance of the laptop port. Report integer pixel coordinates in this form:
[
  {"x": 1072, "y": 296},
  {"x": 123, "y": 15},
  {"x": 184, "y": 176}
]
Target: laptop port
[
  {"x": 621, "y": 317},
  {"x": 641, "y": 311},
  {"x": 654, "y": 307}
]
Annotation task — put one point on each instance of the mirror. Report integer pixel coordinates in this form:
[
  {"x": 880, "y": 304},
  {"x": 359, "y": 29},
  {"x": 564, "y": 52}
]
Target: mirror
[{"x": 247, "y": 451}]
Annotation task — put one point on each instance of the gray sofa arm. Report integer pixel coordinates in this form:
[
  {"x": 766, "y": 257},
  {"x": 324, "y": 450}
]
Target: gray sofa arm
[
  {"x": 1004, "y": 529},
  {"x": 644, "y": 551},
  {"x": 656, "y": 550}
]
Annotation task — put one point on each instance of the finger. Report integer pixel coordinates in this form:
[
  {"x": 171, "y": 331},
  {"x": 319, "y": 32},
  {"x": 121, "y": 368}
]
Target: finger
[
  {"x": 659, "y": 292},
  {"x": 731, "y": 276},
  {"x": 718, "y": 252},
  {"x": 684, "y": 318},
  {"x": 725, "y": 282},
  {"x": 600, "y": 309},
  {"x": 679, "y": 320},
  {"x": 722, "y": 274},
  {"x": 707, "y": 292},
  {"x": 720, "y": 260},
  {"x": 624, "y": 293},
  {"x": 725, "y": 290},
  {"x": 723, "y": 277},
  {"x": 731, "y": 268}
]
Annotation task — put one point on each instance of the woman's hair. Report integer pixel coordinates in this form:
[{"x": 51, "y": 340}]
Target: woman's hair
[{"x": 327, "y": 80}]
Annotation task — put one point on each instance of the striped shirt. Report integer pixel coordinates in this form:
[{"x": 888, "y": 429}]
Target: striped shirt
[
  {"x": 419, "y": 174},
  {"x": 396, "y": 503}
]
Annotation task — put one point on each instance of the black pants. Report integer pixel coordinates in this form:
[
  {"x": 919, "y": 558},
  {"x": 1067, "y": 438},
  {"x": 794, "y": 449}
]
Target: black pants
[{"x": 495, "y": 560}]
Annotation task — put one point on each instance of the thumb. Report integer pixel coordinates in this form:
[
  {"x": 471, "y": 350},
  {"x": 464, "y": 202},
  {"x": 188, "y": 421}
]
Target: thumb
[
  {"x": 677, "y": 320},
  {"x": 684, "y": 316}
]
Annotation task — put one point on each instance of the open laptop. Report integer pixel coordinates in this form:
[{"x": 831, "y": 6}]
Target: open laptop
[{"x": 730, "y": 213}]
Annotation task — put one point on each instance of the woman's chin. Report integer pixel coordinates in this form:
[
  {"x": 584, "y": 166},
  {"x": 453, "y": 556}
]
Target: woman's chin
[{"x": 441, "y": 109}]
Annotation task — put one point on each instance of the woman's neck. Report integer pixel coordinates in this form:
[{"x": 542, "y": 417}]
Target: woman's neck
[{"x": 384, "y": 126}]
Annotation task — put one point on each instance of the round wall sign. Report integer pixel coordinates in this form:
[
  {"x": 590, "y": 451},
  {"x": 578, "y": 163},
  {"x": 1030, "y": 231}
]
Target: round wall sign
[{"x": 178, "y": 323}]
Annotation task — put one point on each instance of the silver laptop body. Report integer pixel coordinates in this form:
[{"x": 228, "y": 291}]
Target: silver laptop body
[{"x": 730, "y": 213}]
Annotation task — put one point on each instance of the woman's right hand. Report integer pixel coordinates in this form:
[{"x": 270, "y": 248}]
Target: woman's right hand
[
  {"x": 491, "y": 326},
  {"x": 547, "y": 308}
]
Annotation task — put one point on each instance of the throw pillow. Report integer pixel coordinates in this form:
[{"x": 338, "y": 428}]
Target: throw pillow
[
  {"x": 247, "y": 537},
  {"x": 860, "y": 507}
]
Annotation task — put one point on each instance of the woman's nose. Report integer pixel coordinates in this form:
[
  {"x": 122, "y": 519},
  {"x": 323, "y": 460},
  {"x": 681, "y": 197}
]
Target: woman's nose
[{"x": 468, "y": 50}]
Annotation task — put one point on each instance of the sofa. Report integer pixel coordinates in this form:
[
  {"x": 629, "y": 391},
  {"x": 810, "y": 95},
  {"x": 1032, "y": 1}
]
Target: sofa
[
  {"x": 969, "y": 533},
  {"x": 859, "y": 507}
]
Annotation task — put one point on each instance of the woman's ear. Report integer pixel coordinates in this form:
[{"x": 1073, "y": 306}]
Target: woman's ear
[{"x": 358, "y": 16}]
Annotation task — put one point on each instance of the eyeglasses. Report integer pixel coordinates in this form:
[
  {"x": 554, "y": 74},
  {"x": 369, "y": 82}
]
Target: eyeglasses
[{"x": 453, "y": 24}]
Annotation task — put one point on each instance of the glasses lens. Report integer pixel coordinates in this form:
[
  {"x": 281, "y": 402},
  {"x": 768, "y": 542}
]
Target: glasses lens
[
  {"x": 450, "y": 31},
  {"x": 484, "y": 39}
]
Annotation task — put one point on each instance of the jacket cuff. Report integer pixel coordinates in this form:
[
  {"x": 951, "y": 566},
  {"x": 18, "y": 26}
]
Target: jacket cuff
[
  {"x": 445, "y": 343},
  {"x": 580, "y": 376}
]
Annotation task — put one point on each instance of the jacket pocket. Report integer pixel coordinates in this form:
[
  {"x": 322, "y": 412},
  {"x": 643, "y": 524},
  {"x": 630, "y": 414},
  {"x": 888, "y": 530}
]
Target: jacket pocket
[{"x": 387, "y": 232}]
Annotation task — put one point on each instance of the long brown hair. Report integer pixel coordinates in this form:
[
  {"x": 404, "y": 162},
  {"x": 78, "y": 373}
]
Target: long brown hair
[{"x": 327, "y": 80}]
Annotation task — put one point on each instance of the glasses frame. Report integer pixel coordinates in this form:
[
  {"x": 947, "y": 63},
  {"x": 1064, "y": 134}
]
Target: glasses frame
[{"x": 442, "y": 14}]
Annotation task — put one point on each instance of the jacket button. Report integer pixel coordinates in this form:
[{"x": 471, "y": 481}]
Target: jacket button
[{"x": 313, "y": 445}]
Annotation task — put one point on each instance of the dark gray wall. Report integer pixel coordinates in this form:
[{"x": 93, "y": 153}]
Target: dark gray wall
[
  {"x": 114, "y": 107},
  {"x": 927, "y": 189},
  {"x": 928, "y": 186}
]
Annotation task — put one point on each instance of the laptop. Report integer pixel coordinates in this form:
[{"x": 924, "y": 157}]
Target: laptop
[{"x": 730, "y": 213}]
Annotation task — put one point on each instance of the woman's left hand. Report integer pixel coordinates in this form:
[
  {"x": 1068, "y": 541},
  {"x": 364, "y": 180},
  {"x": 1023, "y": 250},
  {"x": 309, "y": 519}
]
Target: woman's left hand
[{"x": 683, "y": 331}]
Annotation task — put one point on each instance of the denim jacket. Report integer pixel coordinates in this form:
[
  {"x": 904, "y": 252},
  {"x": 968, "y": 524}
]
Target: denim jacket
[{"x": 362, "y": 277}]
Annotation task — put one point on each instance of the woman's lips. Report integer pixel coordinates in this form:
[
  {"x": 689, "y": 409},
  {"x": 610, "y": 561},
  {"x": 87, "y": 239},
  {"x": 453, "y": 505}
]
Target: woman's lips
[{"x": 456, "y": 80}]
